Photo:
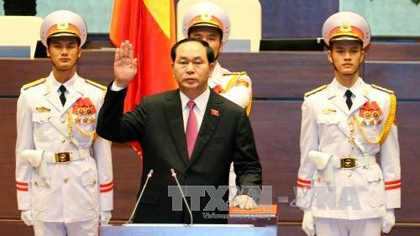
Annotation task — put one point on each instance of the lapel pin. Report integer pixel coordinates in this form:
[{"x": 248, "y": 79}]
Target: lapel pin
[{"x": 214, "y": 112}]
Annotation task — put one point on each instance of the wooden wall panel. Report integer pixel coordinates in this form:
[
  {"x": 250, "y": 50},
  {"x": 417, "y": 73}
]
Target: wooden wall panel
[
  {"x": 389, "y": 51},
  {"x": 402, "y": 77},
  {"x": 284, "y": 75},
  {"x": 295, "y": 19},
  {"x": 17, "y": 72},
  {"x": 8, "y": 206}
]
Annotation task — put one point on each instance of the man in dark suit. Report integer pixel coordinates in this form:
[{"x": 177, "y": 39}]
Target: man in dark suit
[{"x": 193, "y": 130}]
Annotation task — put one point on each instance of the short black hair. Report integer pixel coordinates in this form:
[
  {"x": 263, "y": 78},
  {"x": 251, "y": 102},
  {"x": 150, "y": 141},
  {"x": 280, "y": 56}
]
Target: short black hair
[{"x": 209, "y": 50}]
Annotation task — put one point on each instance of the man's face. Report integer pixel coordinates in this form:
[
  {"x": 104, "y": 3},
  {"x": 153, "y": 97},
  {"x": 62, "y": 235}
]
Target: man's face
[
  {"x": 211, "y": 35},
  {"x": 346, "y": 56},
  {"x": 191, "y": 68},
  {"x": 64, "y": 52}
]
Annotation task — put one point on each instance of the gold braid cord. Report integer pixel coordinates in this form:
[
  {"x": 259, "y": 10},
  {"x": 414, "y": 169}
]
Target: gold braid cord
[
  {"x": 230, "y": 84},
  {"x": 387, "y": 127}
]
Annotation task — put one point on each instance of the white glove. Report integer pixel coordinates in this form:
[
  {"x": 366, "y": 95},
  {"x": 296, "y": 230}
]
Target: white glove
[
  {"x": 244, "y": 202},
  {"x": 104, "y": 217},
  {"x": 308, "y": 224},
  {"x": 388, "y": 221},
  {"x": 26, "y": 216},
  {"x": 36, "y": 159}
]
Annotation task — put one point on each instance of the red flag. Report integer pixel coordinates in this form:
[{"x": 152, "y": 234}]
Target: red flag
[{"x": 150, "y": 26}]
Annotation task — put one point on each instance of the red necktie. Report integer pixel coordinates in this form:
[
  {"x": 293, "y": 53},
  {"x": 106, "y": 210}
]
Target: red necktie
[{"x": 191, "y": 131}]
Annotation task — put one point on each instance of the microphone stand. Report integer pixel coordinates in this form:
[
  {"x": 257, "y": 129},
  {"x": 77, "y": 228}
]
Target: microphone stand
[
  {"x": 130, "y": 220},
  {"x": 183, "y": 196}
]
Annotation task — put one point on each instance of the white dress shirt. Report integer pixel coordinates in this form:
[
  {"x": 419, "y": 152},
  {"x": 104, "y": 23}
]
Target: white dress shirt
[{"x": 199, "y": 108}]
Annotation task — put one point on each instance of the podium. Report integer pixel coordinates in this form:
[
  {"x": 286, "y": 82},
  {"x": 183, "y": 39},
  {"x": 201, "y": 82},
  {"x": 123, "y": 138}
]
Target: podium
[{"x": 257, "y": 222}]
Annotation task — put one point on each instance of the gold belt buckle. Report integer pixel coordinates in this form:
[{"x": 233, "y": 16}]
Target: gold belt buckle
[
  {"x": 348, "y": 163},
  {"x": 62, "y": 157}
]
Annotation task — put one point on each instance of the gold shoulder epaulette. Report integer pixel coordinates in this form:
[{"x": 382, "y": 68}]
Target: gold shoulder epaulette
[
  {"x": 34, "y": 83},
  {"x": 320, "y": 88},
  {"x": 382, "y": 89},
  {"x": 96, "y": 84},
  {"x": 236, "y": 73}
]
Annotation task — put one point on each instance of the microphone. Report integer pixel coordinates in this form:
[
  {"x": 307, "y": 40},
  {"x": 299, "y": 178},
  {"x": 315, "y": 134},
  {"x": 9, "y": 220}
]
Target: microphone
[
  {"x": 182, "y": 194},
  {"x": 130, "y": 220}
]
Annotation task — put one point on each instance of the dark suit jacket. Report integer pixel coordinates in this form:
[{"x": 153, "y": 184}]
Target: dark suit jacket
[{"x": 158, "y": 124}]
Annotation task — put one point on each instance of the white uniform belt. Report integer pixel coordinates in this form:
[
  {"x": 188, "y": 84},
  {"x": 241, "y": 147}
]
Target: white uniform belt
[
  {"x": 63, "y": 157},
  {"x": 350, "y": 162}
]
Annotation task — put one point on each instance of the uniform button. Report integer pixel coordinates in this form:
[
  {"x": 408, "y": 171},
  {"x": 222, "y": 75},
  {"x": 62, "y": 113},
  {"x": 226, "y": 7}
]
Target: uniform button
[
  {"x": 63, "y": 120},
  {"x": 94, "y": 182},
  {"x": 36, "y": 183},
  {"x": 63, "y": 140},
  {"x": 65, "y": 181}
]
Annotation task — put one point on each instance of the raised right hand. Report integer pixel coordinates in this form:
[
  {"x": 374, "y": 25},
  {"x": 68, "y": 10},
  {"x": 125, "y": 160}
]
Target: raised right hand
[{"x": 125, "y": 66}]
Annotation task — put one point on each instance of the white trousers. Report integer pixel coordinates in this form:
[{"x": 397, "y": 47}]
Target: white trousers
[
  {"x": 342, "y": 227},
  {"x": 82, "y": 228}
]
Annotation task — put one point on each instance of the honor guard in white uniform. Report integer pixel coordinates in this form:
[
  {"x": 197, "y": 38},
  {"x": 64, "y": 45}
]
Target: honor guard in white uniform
[
  {"x": 209, "y": 22},
  {"x": 349, "y": 180},
  {"x": 64, "y": 177}
]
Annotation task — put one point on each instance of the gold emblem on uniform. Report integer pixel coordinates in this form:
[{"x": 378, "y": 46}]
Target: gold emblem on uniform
[
  {"x": 81, "y": 110},
  {"x": 42, "y": 109},
  {"x": 62, "y": 25},
  {"x": 242, "y": 83},
  {"x": 329, "y": 111},
  {"x": 345, "y": 27},
  {"x": 62, "y": 157},
  {"x": 348, "y": 163},
  {"x": 205, "y": 17}
]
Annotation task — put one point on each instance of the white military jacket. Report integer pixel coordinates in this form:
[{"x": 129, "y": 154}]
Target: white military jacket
[
  {"x": 79, "y": 189},
  {"x": 330, "y": 132},
  {"x": 235, "y": 86}
]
